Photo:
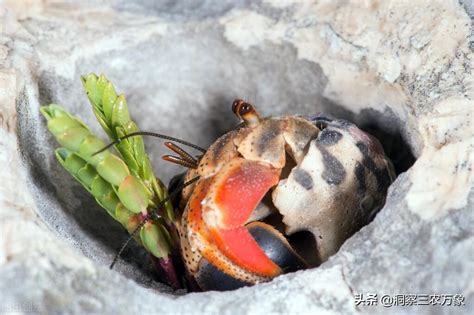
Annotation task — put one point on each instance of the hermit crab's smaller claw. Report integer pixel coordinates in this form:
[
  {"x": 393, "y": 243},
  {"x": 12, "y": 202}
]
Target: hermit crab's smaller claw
[{"x": 246, "y": 112}]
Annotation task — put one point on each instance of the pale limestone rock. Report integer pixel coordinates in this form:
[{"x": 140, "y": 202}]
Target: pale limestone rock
[{"x": 404, "y": 66}]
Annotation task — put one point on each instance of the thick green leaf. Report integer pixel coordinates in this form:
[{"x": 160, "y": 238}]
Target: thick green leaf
[
  {"x": 57, "y": 125},
  {"x": 126, "y": 151},
  {"x": 102, "y": 83},
  {"x": 103, "y": 123},
  {"x": 91, "y": 145},
  {"x": 133, "y": 194},
  {"x": 109, "y": 202},
  {"x": 100, "y": 187},
  {"x": 154, "y": 241},
  {"x": 87, "y": 174},
  {"x": 90, "y": 84},
  {"x": 69, "y": 161},
  {"x": 113, "y": 169},
  {"x": 108, "y": 100},
  {"x": 122, "y": 214},
  {"x": 72, "y": 138},
  {"x": 120, "y": 115}
]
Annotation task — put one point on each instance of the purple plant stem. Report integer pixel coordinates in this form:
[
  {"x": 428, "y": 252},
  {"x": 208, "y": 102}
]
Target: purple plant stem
[{"x": 165, "y": 268}]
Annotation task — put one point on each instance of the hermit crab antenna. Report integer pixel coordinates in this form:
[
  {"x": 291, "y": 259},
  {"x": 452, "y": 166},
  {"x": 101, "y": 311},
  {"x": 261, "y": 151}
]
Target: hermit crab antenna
[
  {"x": 246, "y": 112},
  {"x": 150, "y": 215},
  {"x": 151, "y": 134}
]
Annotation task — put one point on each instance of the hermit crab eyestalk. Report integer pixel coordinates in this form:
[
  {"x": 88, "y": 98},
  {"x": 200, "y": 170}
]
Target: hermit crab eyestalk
[{"x": 246, "y": 112}]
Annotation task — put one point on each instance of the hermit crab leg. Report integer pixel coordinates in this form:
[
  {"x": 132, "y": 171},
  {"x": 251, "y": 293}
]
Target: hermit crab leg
[
  {"x": 179, "y": 161},
  {"x": 183, "y": 154},
  {"x": 185, "y": 159}
]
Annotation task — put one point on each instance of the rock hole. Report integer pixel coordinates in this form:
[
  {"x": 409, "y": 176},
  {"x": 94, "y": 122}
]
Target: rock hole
[{"x": 82, "y": 221}]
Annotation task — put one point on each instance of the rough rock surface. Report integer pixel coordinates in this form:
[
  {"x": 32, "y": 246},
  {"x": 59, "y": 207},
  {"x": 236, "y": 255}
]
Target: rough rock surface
[{"x": 401, "y": 68}]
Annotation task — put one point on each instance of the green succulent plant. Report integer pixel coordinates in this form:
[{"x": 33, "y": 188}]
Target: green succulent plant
[{"x": 124, "y": 184}]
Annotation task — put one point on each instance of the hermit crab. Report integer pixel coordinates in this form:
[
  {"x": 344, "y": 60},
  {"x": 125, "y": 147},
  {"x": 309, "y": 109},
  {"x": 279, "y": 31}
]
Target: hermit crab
[
  {"x": 338, "y": 180},
  {"x": 239, "y": 203}
]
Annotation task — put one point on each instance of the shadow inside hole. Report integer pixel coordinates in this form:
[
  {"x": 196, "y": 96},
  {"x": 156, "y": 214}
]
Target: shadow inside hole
[
  {"x": 305, "y": 245},
  {"x": 394, "y": 146}
]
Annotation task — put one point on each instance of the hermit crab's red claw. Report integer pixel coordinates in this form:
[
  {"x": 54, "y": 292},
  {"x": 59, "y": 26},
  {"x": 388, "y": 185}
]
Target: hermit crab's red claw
[{"x": 239, "y": 187}]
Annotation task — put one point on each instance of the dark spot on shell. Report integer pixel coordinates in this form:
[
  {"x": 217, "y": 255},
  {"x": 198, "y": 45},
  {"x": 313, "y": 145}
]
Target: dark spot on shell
[
  {"x": 363, "y": 149},
  {"x": 360, "y": 177},
  {"x": 334, "y": 172},
  {"x": 303, "y": 178},
  {"x": 329, "y": 137}
]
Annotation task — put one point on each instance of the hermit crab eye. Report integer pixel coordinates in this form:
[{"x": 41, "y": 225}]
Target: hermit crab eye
[
  {"x": 246, "y": 112},
  {"x": 245, "y": 108},
  {"x": 235, "y": 106}
]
